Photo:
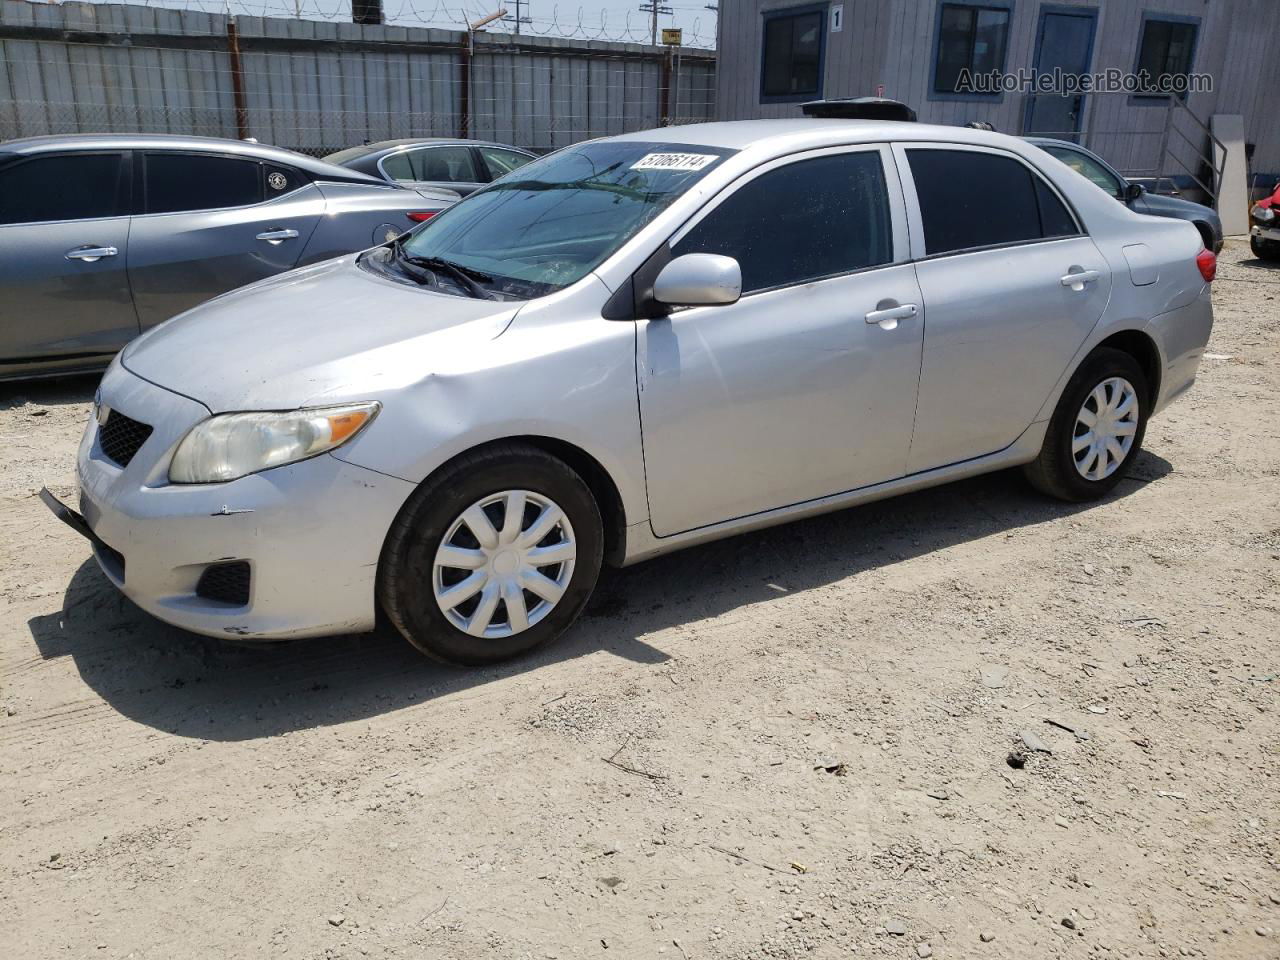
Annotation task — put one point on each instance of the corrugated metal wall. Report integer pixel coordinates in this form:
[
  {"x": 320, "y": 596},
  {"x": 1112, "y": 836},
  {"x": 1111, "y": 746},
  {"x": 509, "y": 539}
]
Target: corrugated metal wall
[
  {"x": 321, "y": 86},
  {"x": 891, "y": 43}
]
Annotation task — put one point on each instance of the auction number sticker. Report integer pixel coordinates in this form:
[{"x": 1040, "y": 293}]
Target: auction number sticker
[{"x": 674, "y": 161}]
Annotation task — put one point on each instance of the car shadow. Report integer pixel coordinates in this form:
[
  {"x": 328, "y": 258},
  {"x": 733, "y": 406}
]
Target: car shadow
[
  {"x": 52, "y": 392},
  {"x": 211, "y": 689}
]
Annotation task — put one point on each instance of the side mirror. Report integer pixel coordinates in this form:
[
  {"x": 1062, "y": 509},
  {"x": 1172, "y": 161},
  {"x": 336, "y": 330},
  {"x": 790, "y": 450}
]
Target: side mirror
[
  {"x": 699, "y": 280},
  {"x": 1133, "y": 191}
]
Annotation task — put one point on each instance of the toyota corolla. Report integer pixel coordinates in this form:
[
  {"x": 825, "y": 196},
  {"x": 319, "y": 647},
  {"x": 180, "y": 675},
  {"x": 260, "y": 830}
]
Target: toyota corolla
[{"x": 630, "y": 346}]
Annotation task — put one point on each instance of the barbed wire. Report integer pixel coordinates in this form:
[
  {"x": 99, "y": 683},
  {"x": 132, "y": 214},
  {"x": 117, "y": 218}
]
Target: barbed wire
[{"x": 565, "y": 23}]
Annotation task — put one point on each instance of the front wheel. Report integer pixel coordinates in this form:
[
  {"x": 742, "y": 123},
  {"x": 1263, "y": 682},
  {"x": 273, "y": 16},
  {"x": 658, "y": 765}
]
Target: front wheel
[
  {"x": 1264, "y": 249},
  {"x": 494, "y": 555},
  {"x": 1096, "y": 430}
]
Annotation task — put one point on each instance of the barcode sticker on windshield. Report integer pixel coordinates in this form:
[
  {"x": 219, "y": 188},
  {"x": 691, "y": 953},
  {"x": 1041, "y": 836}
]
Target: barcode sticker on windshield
[{"x": 674, "y": 161}]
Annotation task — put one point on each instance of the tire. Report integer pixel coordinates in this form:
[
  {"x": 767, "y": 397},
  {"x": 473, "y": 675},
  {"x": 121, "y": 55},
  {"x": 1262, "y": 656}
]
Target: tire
[
  {"x": 491, "y": 480},
  {"x": 1055, "y": 471},
  {"x": 1264, "y": 249}
]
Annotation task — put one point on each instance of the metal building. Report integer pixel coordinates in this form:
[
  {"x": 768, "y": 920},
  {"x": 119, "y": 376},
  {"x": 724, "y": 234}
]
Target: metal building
[{"x": 776, "y": 54}]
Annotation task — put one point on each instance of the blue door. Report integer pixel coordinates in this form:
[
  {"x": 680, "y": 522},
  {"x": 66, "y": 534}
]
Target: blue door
[{"x": 1064, "y": 42}]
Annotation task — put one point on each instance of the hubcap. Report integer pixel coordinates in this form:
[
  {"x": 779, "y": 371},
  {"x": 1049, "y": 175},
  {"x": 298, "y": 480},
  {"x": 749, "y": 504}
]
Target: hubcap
[
  {"x": 504, "y": 564},
  {"x": 1105, "y": 428}
]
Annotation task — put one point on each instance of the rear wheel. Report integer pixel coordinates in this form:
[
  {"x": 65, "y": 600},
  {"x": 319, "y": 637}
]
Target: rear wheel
[
  {"x": 1264, "y": 249},
  {"x": 1096, "y": 430},
  {"x": 494, "y": 555}
]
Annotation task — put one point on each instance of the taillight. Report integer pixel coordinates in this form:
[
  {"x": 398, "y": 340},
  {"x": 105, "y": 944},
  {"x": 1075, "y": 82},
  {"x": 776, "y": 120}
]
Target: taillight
[
  {"x": 1208, "y": 264},
  {"x": 418, "y": 216}
]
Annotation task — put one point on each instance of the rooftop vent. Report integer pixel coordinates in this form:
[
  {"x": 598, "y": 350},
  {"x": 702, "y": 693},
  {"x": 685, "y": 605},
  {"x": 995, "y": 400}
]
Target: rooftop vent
[{"x": 859, "y": 108}]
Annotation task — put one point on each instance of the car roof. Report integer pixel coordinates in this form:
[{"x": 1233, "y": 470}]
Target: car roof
[
  {"x": 33, "y": 146},
  {"x": 780, "y": 136}
]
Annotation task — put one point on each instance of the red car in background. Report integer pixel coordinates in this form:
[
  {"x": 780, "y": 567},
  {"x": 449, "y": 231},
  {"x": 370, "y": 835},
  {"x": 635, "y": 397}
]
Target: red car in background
[{"x": 1264, "y": 231}]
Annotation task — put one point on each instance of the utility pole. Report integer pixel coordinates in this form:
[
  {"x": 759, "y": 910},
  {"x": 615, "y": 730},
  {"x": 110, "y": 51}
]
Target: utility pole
[
  {"x": 653, "y": 8},
  {"x": 519, "y": 18}
]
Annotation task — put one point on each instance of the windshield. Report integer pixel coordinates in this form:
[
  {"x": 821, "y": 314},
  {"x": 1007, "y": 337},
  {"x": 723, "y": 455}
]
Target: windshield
[{"x": 552, "y": 221}]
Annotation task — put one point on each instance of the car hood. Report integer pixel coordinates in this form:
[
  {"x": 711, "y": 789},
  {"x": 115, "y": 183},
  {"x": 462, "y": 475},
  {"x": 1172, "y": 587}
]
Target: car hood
[{"x": 330, "y": 332}]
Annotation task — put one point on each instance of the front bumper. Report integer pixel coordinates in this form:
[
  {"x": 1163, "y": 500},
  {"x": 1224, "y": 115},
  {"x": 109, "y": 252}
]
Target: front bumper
[
  {"x": 311, "y": 532},
  {"x": 1271, "y": 233}
]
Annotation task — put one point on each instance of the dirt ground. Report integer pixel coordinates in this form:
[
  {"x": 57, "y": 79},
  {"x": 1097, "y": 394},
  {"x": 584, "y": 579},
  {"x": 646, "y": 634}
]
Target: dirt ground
[{"x": 790, "y": 744}]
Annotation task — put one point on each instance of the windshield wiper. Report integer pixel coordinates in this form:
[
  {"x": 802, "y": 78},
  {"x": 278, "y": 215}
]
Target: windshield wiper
[{"x": 465, "y": 277}]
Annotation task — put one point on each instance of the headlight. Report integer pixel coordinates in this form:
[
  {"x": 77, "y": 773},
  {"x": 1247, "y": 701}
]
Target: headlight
[
  {"x": 232, "y": 445},
  {"x": 1262, "y": 214}
]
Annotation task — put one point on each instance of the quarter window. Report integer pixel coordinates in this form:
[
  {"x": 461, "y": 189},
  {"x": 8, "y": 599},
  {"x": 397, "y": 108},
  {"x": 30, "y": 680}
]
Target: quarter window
[
  {"x": 793, "y": 44},
  {"x": 1166, "y": 49},
  {"x": 190, "y": 181},
  {"x": 439, "y": 164},
  {"x": 810, "y": 219},
  {"x": 1089, "y": 168},
  {"x": 970, "y": 37},
  {"x": 501, "y": 162},
  {"x": 73, "y": 187},
  {"x": 970, "y": 200}
]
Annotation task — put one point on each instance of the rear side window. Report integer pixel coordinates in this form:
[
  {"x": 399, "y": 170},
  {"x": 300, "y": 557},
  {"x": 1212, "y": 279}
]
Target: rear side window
[
  {"x": 807, "y": 220},
  {"x": 1087, "y": 167},
  {"x": 441, "y": 164},
  {"x": 189, "y": 181},
  {"x": 970, "y": 200},
  {"x": 72, "y": 187}
]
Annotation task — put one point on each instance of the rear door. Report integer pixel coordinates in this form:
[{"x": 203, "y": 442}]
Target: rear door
[
  {"x": 451, "y": 167},
  {"x": 1012, "y": 286},
  {"x": 208, "y": 223},
  {"x": 64, "y": 231}
]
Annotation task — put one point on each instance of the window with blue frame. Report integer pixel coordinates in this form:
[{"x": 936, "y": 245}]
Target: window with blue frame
[
  {"x": 973, "y": 37},
  {"x": 1166, "y": 49},
  {"x": 793, "y": 47}
]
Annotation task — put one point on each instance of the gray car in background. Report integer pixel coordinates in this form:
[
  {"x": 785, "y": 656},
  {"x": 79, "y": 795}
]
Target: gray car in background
[
  {"x": 104, "y": 236},
  {"x": 462, "y": 166},
  {"x": 1134, "y": 195}
]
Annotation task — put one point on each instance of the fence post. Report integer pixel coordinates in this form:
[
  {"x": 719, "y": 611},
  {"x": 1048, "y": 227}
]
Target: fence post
[
  {"x": 464, "y": 95},
  {"x": 664, "y": 89},
  {"x": 237, "y": 80}
]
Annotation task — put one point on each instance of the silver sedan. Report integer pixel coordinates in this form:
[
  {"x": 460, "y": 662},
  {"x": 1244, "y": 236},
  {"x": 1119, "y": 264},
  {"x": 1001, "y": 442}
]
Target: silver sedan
[
  {"x": 627, "y": 347},
  {"x": 102, "y": 237}
]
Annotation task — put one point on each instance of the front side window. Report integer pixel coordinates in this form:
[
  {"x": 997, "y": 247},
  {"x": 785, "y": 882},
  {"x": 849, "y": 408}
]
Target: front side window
[
  {"x": 559, "y": 217},
  {"x": 1088, "y": 168},
  {"x": 176, "y": 182},
  {"x": 793, "y": 43},
  {"x": 501, "y": 162},
  {"x": 439, "y": 164},
  {"x": 998, "y": 201},
  {"x": 970, "y": 37},
  {"x": 1166, "y": 50},
  {"x": 804, "y": 221},
  {"x": 70, "y": 187}
]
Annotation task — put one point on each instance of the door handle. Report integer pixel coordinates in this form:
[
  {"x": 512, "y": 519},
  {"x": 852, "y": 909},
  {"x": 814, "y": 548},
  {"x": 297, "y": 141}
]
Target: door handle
[
  {"x": 91, "y": 254},
  {"x": 276, "y": 236},
  {"x": 888, "y": 317},
  {"x": 1077, "y": 280}
]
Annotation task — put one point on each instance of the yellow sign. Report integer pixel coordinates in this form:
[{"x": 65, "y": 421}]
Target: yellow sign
[{"x": 672, "y": 37}]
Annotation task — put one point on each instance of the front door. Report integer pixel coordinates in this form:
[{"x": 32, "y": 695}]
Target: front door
[
  {"x": 64, "y": 234},
  {"x": 1065, "y": 43},
  {"x": 1013, "y": 288},
  {"x": 209, "y": 223},
  {"x": 801, "y": 389}
]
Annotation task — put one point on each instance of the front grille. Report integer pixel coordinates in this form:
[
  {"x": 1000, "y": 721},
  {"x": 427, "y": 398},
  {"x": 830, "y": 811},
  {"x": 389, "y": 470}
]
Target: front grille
[
  {"x": 225, "y": 583},
  {"x": 121, "y": 437}
]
